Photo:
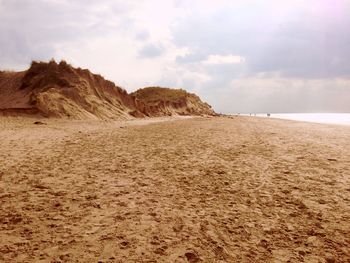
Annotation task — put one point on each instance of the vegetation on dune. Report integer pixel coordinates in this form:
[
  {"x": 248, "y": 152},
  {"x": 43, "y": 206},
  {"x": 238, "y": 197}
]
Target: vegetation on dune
[
  {"x": 151, "y": 94},
  {"x": 60, "y": 90}
]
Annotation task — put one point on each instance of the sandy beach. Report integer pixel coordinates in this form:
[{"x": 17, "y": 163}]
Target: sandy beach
[{"x": 186, "y": 190}]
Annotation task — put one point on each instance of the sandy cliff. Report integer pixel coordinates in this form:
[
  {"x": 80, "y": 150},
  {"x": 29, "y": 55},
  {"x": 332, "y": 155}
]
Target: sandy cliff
[
  {"x": 164, "y": 101},
  {"x": 59, "y": 90}
]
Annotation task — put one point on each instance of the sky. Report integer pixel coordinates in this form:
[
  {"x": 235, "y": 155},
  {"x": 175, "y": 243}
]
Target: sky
[{"x": 238, "y": 55}]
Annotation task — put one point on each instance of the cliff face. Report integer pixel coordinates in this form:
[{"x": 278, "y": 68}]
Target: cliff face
[
  {"x": 164, "y": 101},
  {"x": 59, "y": 90}
]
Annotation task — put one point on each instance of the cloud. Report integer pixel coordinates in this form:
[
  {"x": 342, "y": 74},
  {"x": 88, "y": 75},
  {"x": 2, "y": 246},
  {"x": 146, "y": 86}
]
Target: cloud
[
  {"x": 34, "y": 29},
  {"x": 191, "y": 57},
  {"x": 151, "y": 50},
  {"x": 183, "y": 78},
  {"x": 282, "y": 95},
  {"x": 142, "y": 35},
  {"x": 228, "y": 59},
  {"x": 295, "y": 55},
  {"x": 307, "y": 49},
  {"x": 238, "y": 55},
  {"x": 299, "y": 40}
]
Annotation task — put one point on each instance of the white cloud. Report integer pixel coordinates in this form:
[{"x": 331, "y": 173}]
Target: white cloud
[
  {"x": 238, "y": 55},
  {"x": 279, "y": 95},
  {"x": 151, "y": 50},
  {"x": 219, "y": 59}
]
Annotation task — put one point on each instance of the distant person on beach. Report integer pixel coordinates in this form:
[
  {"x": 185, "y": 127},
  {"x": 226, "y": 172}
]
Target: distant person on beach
[{"x": 268, "y": 115}]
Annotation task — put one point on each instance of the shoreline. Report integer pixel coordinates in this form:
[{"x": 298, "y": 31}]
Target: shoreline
[
  {"x": 150, "y": 120},
  {"x": 321, "y": 118}
]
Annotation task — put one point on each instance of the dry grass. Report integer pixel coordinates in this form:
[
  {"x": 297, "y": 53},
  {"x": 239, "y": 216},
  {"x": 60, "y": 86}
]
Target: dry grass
[
  {"x": 152, "y": 94},
  {"x": 60, "y": 90}
]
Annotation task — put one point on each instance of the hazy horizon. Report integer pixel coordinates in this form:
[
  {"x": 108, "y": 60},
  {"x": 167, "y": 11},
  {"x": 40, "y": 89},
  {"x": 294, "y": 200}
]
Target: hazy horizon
[{"x": 239, "y": 56}]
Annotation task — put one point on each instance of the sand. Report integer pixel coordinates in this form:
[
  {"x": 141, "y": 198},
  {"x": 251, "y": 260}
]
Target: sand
[
  {"x": 59, "y": 90},
  {"x": 192, "y": 190}
]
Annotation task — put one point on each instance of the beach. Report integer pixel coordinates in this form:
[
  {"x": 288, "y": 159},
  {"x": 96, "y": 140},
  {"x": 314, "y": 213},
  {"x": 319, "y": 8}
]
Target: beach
[{"x": 215, "y": 189}]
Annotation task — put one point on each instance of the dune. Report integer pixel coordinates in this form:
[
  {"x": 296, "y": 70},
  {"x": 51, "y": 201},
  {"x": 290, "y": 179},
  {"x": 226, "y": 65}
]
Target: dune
[
  {"x": 60, "y": 90},
  {"x": 165, "y": 101}
]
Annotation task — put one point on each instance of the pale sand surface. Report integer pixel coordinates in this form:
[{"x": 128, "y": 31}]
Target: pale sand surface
[{"x": 199, "y": 190}]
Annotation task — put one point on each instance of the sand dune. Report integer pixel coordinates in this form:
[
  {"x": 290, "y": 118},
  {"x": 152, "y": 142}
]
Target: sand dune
[
  {"x": 60, "y": 90},
  {"x": 194, "y": 190},
  {"x": 167, "y": 102}
]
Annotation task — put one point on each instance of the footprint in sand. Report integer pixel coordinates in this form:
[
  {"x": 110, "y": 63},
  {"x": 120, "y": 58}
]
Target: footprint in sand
[{"x": 192, "y": 257}]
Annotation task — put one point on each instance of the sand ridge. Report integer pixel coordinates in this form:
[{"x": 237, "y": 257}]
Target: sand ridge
[
  {"x": 59, "y": 90},
  {"x": 194, "y": 190}
]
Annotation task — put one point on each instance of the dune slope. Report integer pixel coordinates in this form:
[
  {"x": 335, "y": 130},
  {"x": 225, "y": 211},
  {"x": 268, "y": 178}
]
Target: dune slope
[
  {"x": 60, "y": 90},
  {"x": 164, "y": 101}
]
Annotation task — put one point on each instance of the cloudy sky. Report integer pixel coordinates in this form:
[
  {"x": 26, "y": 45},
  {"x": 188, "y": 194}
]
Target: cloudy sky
[{"x": 238, "y": 55}]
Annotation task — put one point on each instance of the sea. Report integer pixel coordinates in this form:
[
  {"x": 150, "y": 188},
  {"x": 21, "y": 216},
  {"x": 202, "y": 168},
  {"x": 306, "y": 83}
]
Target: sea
[{"x": 328, "y": 118}]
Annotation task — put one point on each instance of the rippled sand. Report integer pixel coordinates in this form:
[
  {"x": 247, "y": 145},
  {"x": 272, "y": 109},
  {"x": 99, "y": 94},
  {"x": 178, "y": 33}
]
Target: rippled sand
[{"x": 198, "y": 190}]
